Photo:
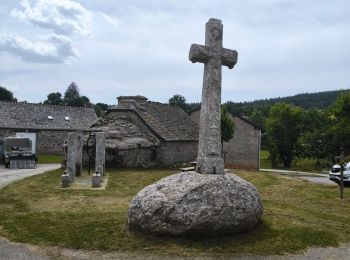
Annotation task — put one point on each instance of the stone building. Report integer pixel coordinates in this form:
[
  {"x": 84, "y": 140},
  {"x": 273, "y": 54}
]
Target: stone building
[
  {"x": 243, "y": 150},
  {"x": 140, "y": 133},
  {"x": 47, "y": 126}
]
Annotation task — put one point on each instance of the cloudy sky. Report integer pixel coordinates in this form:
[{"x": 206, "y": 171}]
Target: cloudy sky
[{"x": 140, "y": 47}]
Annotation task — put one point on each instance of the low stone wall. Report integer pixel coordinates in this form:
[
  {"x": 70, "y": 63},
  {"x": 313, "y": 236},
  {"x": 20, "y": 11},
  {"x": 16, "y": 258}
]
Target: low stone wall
[
  {"x": 168, "y": 154},
  {"x": 173, "y": 153},
  {"x": 135, "y": 158}
]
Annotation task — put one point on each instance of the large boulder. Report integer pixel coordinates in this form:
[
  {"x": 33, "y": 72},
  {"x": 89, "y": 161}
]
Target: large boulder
[{"x": 193, "y": 203}]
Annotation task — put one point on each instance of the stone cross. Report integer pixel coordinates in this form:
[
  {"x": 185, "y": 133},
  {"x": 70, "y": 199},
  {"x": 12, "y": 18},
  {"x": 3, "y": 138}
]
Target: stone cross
[{"x": 213, "y": 55}]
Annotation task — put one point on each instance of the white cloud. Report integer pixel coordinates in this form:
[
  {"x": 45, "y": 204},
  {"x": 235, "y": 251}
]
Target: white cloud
[
  {"x": 110, "y": 19},
  {"x": 52, "y": 49},
  {"x": 61, "y": 16}
]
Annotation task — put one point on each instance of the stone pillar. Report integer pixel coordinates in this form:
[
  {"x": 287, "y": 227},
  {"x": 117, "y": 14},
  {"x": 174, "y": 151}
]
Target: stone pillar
[
  {"x": 79, "y": 155},
  {"x": 100, "y": 153},
  {"x": 71, "y": 157}
]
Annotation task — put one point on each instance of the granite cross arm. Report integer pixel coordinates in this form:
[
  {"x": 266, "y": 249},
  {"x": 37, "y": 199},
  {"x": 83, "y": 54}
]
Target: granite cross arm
[{"x": 202, "y": 54}]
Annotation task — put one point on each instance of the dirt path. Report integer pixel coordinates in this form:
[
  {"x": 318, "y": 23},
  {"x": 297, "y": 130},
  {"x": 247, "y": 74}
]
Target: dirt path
[
  {"x": 8, "y": 176},
  {"x": 17, "y": 251},
  {"x": 308, "y": 176}
]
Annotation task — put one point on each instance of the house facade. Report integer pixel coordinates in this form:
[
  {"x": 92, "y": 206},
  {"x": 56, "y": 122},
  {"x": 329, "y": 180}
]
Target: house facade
[
  {"x": 141, "y": 133},
  {"x": 243, "y": 150},
  {"x": 46, "y": 125}
]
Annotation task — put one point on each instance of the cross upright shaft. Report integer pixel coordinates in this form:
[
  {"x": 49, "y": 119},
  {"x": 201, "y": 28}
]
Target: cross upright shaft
[{"x": 213, "y": 55}]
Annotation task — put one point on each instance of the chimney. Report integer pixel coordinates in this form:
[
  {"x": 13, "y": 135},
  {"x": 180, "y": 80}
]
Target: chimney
[{"x": 132, "y": 102}]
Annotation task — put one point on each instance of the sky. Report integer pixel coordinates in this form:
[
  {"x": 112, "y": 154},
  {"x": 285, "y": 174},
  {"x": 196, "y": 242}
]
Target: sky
[{"x": 116, "y": 48}]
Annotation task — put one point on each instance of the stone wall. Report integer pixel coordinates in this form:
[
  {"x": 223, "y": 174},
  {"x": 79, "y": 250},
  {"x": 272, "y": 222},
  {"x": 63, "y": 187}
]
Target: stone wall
[
  {"x": 50, "y": 142},
  {"x": 47, "y": 142},
  {"x": 6, "y": 132},
  {"x": 243, "y": 150},
  {"x": 172, "y": 153},
  {"x": 133, "y": 158}
]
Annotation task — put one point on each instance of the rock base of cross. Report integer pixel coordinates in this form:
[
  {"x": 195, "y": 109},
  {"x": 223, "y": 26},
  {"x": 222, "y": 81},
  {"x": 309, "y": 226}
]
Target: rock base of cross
[
  {"x": 210, "y": 166},
  {"x": 189, "y": 203}
]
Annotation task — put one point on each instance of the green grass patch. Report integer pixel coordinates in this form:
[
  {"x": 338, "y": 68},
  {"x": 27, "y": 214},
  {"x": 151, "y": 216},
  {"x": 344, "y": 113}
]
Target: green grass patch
[
  {"x": 50, "y": 158},
  {"x": 297, "y": 215}
]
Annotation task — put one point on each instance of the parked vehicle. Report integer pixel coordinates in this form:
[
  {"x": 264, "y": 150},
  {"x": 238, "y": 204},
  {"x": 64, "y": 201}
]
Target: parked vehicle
[
  {"x": 334, "y": 174},
  {"x": 17, "y": 153}
]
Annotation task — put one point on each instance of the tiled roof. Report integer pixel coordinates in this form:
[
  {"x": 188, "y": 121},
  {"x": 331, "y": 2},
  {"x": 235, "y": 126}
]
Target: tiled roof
[
  {"x": 35, "y": 116},
  {"x": 168, "y": 122}
]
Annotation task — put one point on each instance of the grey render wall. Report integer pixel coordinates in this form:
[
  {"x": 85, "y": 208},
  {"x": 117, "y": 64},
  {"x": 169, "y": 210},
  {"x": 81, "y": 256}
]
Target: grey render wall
[
  {"x": 173, "y": 153},
  {"x": 243, "y": 150}
]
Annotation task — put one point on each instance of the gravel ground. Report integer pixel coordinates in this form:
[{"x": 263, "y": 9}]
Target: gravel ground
[{"x": 16, "y": 251}]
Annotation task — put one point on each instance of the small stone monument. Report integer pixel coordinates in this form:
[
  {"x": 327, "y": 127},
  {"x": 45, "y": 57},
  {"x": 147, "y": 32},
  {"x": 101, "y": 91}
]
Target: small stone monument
[
  {"x": 65, "y": 180},
  {"x": 206, "y": 201},
  {"x": 96, "y": 180}
]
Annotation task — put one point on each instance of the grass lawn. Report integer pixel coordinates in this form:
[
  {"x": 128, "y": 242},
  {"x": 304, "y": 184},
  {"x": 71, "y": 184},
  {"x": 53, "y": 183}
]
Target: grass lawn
[
  {"x": 50, "y": 158},
  {"x": 297, "y": 215}
]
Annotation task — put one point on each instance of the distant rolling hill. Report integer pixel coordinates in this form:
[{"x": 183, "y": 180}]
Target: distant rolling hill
[{"x": 318, "y": 100}]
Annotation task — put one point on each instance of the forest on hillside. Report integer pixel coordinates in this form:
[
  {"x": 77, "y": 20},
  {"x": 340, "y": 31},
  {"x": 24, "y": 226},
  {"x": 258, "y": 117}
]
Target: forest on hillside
[{"x": 318, "y": 100}]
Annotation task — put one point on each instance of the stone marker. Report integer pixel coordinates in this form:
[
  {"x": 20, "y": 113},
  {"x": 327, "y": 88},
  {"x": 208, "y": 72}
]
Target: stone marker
[
  {"x": 65, "y": 180},
  {"x": 74, "y": 155},
  {"x": 213, "y": 55},
  {"x": 96, "y": 180},
  {"x": 211, "y": 203},
  {"x": 100, "y": 153},
  {"x": 79, "y": 155},
  {"x": 71, "y": 158}
]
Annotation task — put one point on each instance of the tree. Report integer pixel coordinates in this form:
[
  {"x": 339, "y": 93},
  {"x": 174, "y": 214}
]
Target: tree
[
  {"x": 6, "y": 95},
  {"x": 283, "y": 130},
  {"x": 258, "y": 118},
  {"x": 54, "y": 99},
  {"x": 340, "y": 113},
  {"x": 72, "y": 96},
  {"x": 100, "y": 109},
  {"x": 86, "y": 101},
  {"x": 178, "y": 101},
  {"x": 227, "y": 126}
]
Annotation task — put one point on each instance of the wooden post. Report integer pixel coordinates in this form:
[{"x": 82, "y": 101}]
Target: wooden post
[{"x": 342, "y": 163}]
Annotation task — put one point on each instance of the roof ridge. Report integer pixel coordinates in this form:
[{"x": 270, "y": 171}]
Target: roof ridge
[{"x": 42, "y": 104}]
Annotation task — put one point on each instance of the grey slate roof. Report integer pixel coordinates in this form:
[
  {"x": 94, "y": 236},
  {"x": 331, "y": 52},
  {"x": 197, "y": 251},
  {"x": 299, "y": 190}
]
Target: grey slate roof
[
  {"x": 168, "y": 122},
  {"x": 35, "y": 117},
  {"x": 171, "y": 123}
]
